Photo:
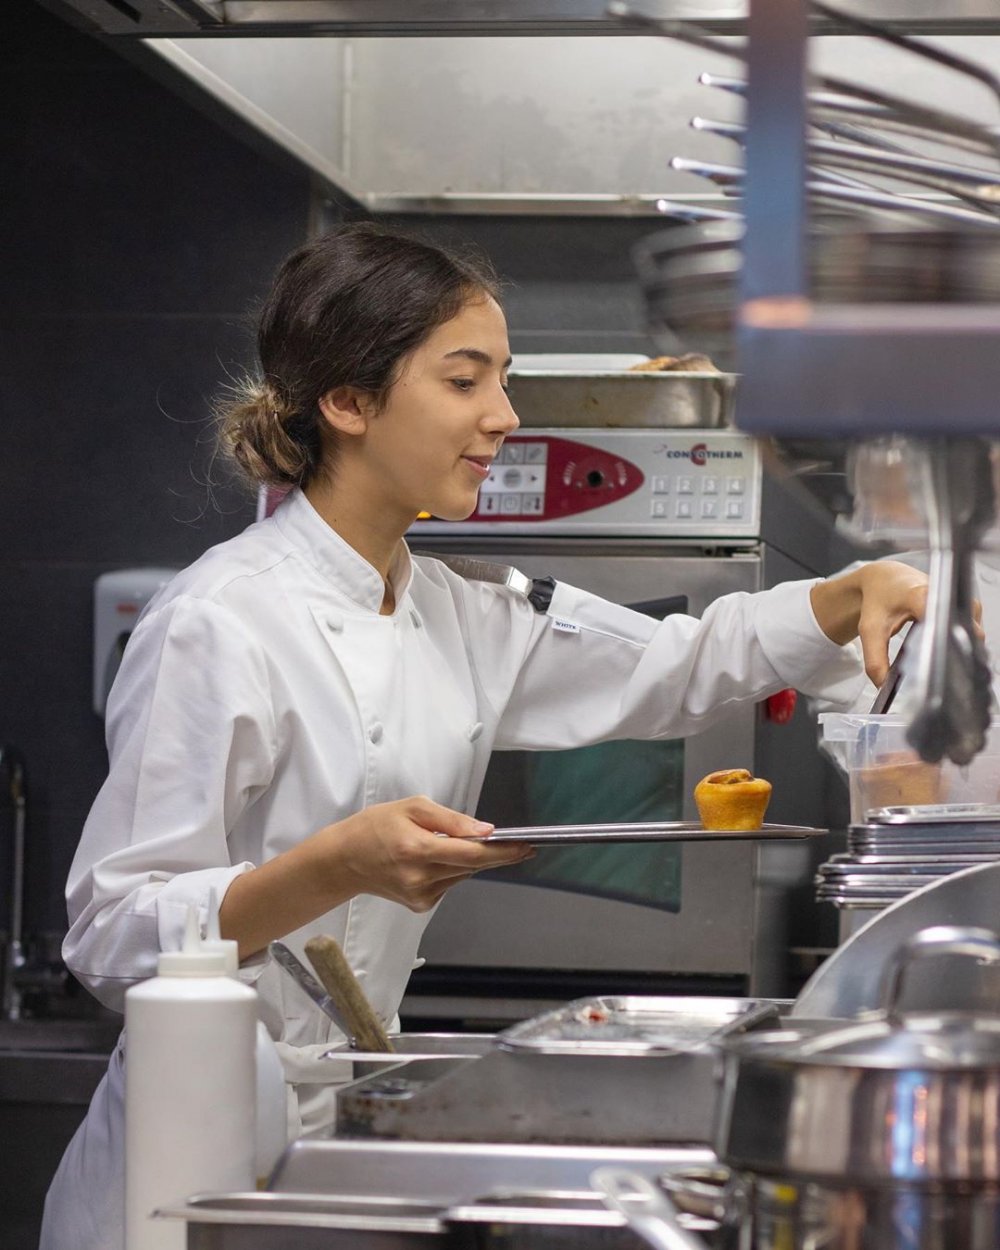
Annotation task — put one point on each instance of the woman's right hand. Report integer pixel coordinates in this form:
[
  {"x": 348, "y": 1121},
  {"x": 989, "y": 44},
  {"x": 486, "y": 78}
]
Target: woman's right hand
[{"x": 413, "y": 850}]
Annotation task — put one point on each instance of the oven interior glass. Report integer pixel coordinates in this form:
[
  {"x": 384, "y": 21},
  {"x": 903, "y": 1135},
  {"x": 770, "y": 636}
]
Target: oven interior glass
[{"x": 602, "y": 784}]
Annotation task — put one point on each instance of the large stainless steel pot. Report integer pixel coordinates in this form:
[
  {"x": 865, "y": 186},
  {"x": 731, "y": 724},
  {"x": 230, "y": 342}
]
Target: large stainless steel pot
[{"x": 880, "y": 1135}]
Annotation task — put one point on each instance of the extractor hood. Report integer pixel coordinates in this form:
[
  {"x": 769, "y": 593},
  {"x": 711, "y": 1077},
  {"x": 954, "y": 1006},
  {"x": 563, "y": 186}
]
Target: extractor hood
[
  {"x": 215, "y": 18},
  {"x": 454, "y": 109}
]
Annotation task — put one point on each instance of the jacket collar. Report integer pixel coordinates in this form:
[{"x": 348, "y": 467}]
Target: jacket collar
[{"x": 339, "y": 563}]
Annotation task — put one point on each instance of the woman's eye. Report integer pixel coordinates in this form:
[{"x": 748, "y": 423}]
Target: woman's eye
[{"x": 463, "y": 384}]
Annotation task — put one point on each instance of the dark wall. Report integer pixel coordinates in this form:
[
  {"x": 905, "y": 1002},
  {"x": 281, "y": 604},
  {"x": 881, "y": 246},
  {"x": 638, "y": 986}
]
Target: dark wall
[
  {"x": 568, "y": 283},
  {"x": 140, "y": 234},
  {"x": 136, "y": 236}
]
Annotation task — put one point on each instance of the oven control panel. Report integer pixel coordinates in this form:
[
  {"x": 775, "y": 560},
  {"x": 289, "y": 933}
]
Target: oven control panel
[{"x": 688, "y": 483}]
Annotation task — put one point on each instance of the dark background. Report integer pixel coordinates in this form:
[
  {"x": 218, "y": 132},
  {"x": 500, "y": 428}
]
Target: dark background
[{"x": 139, "y": 234}]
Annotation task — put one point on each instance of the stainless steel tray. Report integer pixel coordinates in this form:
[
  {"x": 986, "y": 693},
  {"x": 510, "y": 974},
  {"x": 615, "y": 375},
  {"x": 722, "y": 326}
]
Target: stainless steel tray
[
  {"x": 934, "y": 813},
  {"x": 622, "y": 399},
  {"x": 657, "y": 831},
  {"x": 453, "y": 1172},
  {"x": 636, "y": 1025}
]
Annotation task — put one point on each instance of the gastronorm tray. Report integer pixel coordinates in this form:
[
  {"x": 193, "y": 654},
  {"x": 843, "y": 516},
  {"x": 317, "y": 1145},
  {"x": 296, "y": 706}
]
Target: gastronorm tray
[
  {"x": 622, "y": 399},
  {"x": 935, "y": 813},
  {"x": 636, "y": 1024},
  {"x": 656, "y": 831}
]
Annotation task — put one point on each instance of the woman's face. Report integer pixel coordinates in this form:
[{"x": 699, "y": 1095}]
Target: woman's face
[{"x": 430, "y": 448}]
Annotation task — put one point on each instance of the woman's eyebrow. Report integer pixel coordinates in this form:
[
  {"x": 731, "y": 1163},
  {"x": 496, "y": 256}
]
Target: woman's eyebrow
[{"x": 474, "y": 353}]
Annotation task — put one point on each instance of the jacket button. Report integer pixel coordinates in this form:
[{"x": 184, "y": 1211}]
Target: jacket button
[
  {"x": 334, "y": 624},
  {"x": 473, "y": 732},
  {"x": 375, "y": 733}
]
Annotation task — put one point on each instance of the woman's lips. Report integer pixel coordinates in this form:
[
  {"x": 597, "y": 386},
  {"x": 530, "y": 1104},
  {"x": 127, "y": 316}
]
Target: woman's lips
[{"x": 480, "y": 466}]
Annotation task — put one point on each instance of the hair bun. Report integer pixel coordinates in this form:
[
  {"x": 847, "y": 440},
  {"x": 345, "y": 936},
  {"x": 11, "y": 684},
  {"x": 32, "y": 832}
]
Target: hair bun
[{"x": 255, "y": 431}]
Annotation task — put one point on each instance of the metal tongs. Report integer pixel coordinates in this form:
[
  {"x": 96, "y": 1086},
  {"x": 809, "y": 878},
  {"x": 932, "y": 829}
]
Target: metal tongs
[
  {"x": 890, "y": 686},
  {"x": 952, "y": 669}
]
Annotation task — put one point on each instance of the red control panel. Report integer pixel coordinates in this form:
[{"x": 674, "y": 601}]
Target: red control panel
[{"x": 548, "y": 478}]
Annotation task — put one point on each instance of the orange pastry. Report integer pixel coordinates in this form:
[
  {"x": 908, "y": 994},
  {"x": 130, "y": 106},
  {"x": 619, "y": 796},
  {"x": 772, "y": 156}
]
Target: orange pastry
[{"x": 732, "y": 799}]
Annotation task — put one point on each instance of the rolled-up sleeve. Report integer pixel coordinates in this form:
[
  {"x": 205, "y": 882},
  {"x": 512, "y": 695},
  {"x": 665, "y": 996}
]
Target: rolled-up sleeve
[{"x": 191, "y": 741}]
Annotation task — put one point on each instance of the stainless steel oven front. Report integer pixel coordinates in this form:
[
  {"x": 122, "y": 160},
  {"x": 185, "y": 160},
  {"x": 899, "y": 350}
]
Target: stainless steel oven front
[{"x": 662, "y": 521}]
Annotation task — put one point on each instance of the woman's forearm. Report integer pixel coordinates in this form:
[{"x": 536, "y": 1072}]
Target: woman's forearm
[
  {"x": 409, "y": 851},
  {"x": 836, "y": 604},
  {"x": 281, "y": 896}
]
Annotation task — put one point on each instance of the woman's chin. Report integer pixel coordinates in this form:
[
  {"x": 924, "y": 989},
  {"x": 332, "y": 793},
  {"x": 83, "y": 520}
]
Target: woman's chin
[{"x": 454, "y": 510}]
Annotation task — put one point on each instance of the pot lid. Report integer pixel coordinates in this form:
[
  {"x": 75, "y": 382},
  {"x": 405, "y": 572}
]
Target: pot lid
[
  {"x": 900, "y": 1096},
  {"x": 946, "y": 1041}
]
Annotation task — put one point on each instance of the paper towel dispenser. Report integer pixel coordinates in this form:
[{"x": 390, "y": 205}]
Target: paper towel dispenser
[{"x": 119, "y": 598}]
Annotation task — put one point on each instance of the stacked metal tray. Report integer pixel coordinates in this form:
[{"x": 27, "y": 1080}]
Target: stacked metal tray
[{"x": 901, "y": 849}]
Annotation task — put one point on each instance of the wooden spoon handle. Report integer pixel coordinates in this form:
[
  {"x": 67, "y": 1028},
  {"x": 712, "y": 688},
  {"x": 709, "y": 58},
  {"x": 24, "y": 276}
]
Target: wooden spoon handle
[{"x": 342, "y": 985}]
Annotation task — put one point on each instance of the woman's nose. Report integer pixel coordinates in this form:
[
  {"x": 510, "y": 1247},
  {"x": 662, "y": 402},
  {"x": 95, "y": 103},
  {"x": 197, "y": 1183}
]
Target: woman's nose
[{"x": 503, "y": 419}]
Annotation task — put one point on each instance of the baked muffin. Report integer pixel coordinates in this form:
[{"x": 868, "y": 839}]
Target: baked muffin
[{"x": 732, "y": 799}]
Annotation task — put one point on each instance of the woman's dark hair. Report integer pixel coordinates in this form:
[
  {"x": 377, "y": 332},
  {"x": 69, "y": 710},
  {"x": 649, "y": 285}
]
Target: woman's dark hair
[{"x": 344, "y": 311}]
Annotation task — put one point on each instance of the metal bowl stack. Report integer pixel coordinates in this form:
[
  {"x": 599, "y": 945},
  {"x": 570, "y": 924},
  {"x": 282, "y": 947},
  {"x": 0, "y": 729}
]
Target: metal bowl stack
[
  {"x": 901, "y": 849},
  {"x": 690, "y": 274}
]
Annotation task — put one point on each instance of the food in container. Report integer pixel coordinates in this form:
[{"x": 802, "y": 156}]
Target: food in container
[
  {"x": 883, "y": 770},
  {"x": 899, "y": 779},
  {"x": 690, "y": 362}
]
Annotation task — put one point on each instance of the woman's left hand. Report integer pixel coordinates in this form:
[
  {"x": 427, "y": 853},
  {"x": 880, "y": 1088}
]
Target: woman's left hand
[{"x": 874, "y": 602}]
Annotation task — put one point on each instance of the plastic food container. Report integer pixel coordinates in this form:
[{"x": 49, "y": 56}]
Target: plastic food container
[{"x": 883, "y": 770}]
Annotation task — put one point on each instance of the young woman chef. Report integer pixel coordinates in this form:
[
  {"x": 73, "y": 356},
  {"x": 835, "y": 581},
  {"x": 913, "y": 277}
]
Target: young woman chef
[{"x": 306, "y": 708}]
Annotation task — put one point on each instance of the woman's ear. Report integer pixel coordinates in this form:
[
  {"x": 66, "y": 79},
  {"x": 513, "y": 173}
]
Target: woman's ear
[{"x": 346, "y": 409}]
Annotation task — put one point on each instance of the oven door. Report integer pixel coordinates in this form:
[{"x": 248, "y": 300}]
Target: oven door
[{"x": 657, "y": 918}]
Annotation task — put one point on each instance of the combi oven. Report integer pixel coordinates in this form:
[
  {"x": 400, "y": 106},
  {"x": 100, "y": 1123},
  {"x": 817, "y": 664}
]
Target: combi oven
[{"x": 662, "y": 520}]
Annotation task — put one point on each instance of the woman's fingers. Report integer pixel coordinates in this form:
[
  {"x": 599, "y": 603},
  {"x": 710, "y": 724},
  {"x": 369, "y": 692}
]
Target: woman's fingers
[
  {"x": 892, "y": 594},
  {"x": 474, "y": 856},
  {"x": 411, "y": 851},
  {"x": 457, "y": 847},
  {"x": 437, "y": 819}
]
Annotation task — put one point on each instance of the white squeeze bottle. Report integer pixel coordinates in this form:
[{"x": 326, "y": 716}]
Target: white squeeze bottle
[
  {"x": 190, "y": 1034},
  {"x": 272, "y": 1096}
]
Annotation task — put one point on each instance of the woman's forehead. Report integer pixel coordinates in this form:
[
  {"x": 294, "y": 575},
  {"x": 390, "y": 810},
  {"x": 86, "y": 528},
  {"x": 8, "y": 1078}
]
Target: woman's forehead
[{"x": 477, "y": 330}]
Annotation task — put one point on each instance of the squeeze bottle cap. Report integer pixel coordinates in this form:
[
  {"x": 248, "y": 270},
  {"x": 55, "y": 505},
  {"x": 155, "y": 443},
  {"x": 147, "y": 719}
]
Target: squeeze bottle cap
[
  {"x": 214, "y": 941},
  {"x": 192, "y": 960}
]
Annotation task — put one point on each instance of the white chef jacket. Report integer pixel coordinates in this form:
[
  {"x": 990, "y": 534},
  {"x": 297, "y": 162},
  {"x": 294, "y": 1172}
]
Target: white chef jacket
[{"x": 262, "y": 696}]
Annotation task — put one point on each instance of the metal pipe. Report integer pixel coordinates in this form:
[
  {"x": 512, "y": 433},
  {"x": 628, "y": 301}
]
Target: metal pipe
[{"x": 12, "y": 766}]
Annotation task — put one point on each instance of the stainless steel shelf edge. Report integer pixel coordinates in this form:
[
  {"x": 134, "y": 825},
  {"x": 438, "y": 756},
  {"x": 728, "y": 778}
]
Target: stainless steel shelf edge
[
  {"x": 218, "y": 18},
  {"x": 864, "y": 370}
]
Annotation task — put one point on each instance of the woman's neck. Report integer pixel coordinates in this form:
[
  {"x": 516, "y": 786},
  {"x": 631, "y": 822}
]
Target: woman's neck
[{"x": 371, "y": 537}]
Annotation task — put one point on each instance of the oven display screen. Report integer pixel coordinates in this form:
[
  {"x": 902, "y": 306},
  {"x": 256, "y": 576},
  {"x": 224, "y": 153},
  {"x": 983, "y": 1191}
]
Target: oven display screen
[{"x": 606, "y": 783}]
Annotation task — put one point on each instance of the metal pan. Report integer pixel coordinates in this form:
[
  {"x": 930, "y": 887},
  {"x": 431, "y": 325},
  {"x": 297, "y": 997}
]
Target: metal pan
[
  {"x": 634, "y": 399},
  {"x": 637, "y": 1025},
  {"x": 656, "y": 831}
]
